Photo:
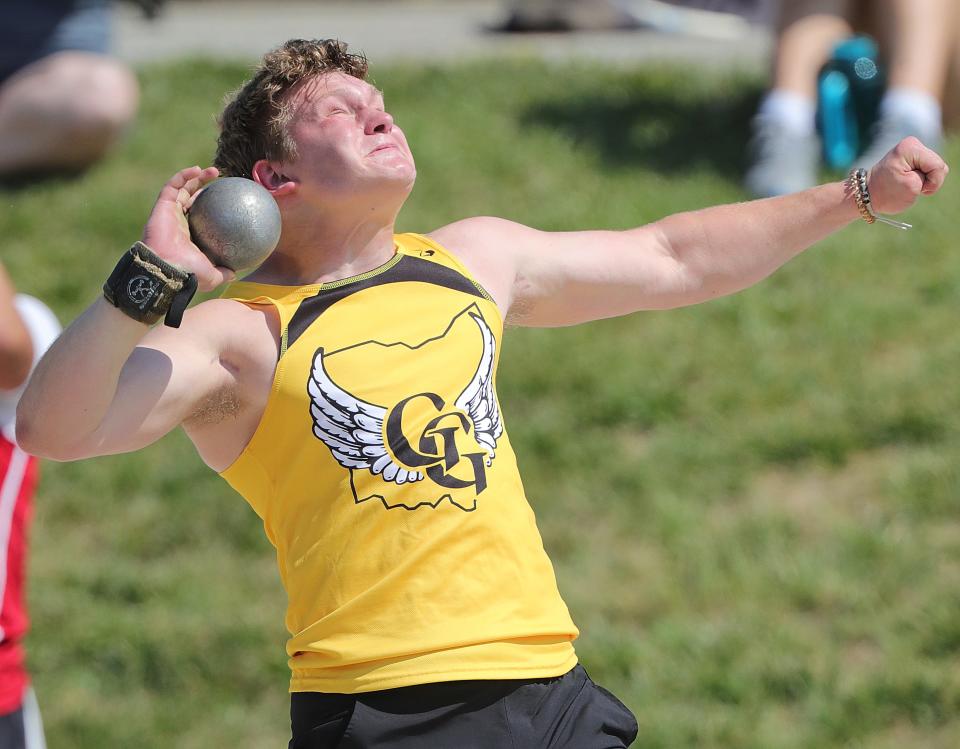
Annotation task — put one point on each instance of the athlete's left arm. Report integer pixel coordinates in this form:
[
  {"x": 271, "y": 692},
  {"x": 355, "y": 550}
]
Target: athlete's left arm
[{"x": 562, "y": 278}]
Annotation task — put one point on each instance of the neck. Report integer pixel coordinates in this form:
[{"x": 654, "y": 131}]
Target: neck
[{"x": 319, "y": 247}]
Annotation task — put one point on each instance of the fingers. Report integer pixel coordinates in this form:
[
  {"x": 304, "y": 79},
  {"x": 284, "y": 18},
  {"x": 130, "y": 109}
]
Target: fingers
[
  {"x": 193, "y": 185},
  {"x": 918, "y": 156},
  {"x": 188, "y": 202},
  {"x": 908, "y": 170},
  {"x": 173, "y": 185},
  {"x": 932, "y": 169},
  {"x": 186, "y": 182},
  {"x": 933, "y": 180},
  {"x": 923, "y": 161}
]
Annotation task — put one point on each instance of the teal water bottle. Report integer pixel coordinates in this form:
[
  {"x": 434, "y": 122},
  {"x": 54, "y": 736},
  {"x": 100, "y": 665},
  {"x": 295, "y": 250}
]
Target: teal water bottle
[{"x": 849, "y": 89}]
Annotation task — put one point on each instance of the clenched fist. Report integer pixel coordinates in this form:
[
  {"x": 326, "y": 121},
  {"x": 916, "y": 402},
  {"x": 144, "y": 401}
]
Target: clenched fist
[{"x": 909, "y": 170}]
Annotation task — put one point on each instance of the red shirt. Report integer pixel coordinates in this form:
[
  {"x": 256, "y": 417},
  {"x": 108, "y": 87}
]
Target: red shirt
[{"x": 18, "y": 477}]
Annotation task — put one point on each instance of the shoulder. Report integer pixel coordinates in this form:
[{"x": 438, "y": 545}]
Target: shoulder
[
  {"x": 487, "y": 246},
  {"x": 495, "y": 250},
  {"x": 226, "y": 317},
  {"x": 213, "y": 312},
  {"x": 212, "y": 321},
  {"x": 233, "y": 331},
  {"x": 239, "y": 323},
  {"x": 479, "y": 234}
]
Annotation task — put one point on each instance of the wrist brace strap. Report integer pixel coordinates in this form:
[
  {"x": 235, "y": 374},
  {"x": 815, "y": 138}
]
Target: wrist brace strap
[{"x": 146, "y": 287}]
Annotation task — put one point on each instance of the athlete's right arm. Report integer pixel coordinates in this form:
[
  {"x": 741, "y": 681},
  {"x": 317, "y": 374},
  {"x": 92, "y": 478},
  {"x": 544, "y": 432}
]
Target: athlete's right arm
[{"x": 110, "y": 384}]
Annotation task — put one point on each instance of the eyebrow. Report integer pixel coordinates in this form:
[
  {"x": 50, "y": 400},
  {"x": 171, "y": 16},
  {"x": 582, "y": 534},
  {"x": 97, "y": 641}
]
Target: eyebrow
[{"x": 350, "y": 91}]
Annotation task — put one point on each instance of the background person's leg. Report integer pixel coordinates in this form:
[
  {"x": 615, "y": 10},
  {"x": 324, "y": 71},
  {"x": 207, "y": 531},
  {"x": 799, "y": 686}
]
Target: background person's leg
[
  {"x": 784, "y": 148},
  {"x": 951, "y": 96},
  {"x": 64, "y": 112},
  {"x": 920, "y": 36},
  {"x": 808, "y": 31},
  {"x": 917, "y": 40}
]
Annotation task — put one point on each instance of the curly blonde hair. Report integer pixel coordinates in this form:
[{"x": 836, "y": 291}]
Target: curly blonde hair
[{"x": 253, "y": 124}]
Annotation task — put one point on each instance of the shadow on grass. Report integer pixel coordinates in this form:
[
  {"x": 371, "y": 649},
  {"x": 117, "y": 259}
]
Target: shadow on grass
[{"x": 666, "y": 130}]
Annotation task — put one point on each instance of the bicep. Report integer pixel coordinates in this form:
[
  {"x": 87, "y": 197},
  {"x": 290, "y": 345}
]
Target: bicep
[
  {"x": 550, "y": 279},
  {"x": 565, "y": 278},
  {"x": 161, "y": 384}
]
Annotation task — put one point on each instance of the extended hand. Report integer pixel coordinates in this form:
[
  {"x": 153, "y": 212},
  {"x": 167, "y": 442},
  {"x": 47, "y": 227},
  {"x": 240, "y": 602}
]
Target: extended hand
[
  {"x": 168, "y": 234},
  {"x": 909, "y": 170}
]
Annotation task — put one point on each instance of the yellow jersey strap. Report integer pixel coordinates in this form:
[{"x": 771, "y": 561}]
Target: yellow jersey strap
[{"x": 417, "y": 258}]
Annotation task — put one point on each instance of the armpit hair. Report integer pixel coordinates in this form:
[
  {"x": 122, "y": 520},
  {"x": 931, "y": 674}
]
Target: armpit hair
[
  {"x": 518, "y": 313},
  {"x": 216, "y": 407}
]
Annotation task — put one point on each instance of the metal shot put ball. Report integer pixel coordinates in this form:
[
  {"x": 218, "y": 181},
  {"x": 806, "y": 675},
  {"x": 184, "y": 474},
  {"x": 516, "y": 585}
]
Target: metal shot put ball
[{"x": 235, "y": 222}]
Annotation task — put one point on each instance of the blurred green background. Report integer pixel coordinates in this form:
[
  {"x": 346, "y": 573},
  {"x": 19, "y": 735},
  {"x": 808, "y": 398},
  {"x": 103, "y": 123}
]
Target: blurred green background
[{"x": 752, "y": 504}]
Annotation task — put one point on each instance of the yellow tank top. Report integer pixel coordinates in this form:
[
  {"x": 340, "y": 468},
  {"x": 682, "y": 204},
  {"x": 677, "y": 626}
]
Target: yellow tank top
[{"x": 385, "y": 479}]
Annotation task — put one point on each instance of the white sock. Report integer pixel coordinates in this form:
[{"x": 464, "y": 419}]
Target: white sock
[
  {"x": 915, "y": 106},
  {"x": 794, "y": 111}
]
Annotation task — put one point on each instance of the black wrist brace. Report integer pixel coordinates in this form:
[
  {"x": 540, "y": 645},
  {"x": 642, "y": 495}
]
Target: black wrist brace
[{"x": 146, "y": 287}]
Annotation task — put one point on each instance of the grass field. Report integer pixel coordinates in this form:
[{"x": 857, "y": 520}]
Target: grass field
[{"x": 752, "y": 505}]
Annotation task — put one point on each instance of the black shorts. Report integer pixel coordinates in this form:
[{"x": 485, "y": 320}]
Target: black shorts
[{"x": 569, "y": 711}]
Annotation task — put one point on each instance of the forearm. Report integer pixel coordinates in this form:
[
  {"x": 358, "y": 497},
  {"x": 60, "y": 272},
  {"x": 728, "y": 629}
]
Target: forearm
[
  {"x": 75, "y": 382},
  {"x": 564, "y": 278},
  {"x": 110, "y": 383},
  {"x": 727, "y": 248}
]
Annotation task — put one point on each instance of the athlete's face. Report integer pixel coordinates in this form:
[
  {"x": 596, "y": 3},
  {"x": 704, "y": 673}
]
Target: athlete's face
[{"x": 347, "y": 143}]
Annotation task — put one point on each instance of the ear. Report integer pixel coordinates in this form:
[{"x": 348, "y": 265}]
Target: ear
[{"x": 269, "y": 174}]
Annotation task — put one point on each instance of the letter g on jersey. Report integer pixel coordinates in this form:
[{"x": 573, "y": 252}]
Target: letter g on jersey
[{"x": 451, "y": 444}]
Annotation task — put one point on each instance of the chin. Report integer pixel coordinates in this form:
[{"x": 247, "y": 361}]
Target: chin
[
  {"x": 403, "y": 168},
  {"x": 399, "y": 175}
]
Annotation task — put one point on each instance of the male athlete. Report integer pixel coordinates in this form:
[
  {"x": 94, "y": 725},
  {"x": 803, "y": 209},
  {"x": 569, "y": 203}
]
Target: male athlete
[{"x": 347, "y": 390}]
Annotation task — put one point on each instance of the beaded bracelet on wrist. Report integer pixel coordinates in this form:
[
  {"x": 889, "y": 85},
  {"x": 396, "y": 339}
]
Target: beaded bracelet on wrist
[{"x": 856, "y": 183}]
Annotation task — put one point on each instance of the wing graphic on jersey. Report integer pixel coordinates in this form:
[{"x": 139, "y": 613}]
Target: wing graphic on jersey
[
  {"x": 351, "y": 428},
  {"x": 479, "y": 399}
]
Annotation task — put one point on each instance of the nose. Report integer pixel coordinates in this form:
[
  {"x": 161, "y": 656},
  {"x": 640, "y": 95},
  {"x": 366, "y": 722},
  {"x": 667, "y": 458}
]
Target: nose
[{"x": 378, "y": 121}]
